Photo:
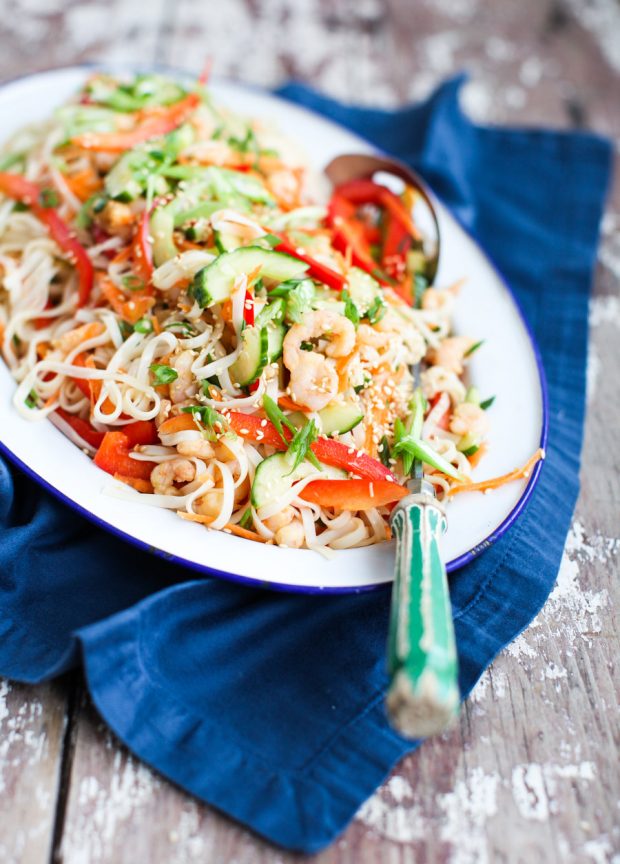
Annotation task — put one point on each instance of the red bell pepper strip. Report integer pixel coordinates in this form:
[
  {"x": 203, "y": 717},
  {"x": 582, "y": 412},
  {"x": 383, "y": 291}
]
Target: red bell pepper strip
[
  {"x": 82, "y": 427},
  {"x": 367, "y": 192},
  {"x": 113, "y": 457},
  {"x": 319, "y": 271},
  {"x": 153, "y": 126},
  {"x": 396, "y": 244},
  {"x": 353, "y": 494},
  {"x": 325, "y": 449},
  {"x": 248, "y": 308},
  {"x": 142, "y": 251},
  {"x": 20, "y": 189},
  {"x": 141, "y": 432}
]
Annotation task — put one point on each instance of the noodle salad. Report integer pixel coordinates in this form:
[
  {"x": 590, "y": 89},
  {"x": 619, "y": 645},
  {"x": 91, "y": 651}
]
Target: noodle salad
[{"x": 176, "y": 303}]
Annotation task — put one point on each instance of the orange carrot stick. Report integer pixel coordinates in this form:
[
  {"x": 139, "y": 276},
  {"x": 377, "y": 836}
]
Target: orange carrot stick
[{"x": 496, "y": 482}]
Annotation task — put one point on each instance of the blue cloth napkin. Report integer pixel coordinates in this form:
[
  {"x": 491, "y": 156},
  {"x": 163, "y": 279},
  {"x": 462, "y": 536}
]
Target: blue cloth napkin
[{"x": 270, "y": 706}]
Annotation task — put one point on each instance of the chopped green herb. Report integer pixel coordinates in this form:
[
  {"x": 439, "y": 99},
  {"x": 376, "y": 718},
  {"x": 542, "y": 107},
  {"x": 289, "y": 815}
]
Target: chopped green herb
[
  {"x": 32, "y": 399},
  {"x": 420, "y": 284},
  {"x": 163, "y": 374},
  {"x": 299, "y": 447},
  {"x": 132, "y": 283},
  {"x": 143, "y": 325},
  {"x": 350, "y": 309},
  {"x": 246, "y": 519},
  {"x": 384, "y": 452},
  {"x": 307, "y": 346},
  {"x": 49, "y": 198},
  {"x": 278, "y": 418},
  {"x": 471, "y": 450},
  {"x": 125, "y": 328},
  {"x": 376, "y": 310},
  {"x": 486, "y": 403},
  {"x": 213, "y": 422},
  {"x": 473, "y": 348}
]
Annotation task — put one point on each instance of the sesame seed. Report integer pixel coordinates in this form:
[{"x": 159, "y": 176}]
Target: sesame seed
[
  {"x": 263, "y": 423},
  {"x": 244, "y": 431}
]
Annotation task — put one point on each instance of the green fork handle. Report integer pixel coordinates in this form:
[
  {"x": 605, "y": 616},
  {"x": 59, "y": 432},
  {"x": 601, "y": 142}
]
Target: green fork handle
[{"x": 423, "y": 697}]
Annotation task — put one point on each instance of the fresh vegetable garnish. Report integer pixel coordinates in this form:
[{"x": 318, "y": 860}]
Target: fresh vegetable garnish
[
  {"x": 163, "y": 374},
  {"x": 28, "y": 193},
  {"x": 144, "y": 326},
  {"x": 214, "y": 424},
  {"x": 473, "y": 348},
  {"x": 486, "y": 403}
]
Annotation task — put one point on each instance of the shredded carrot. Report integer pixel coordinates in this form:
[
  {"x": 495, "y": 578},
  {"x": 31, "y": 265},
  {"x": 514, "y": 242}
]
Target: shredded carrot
[
  {"x": 136, "y": 483},
  {"x": 131, "y": 310},
  {"x": 186, "y": 245},
  {"x": 477, "y": 456},
  {"x": 496, "y": 482},
  {"x": 51, "y": 399},
  {"x": 243, "y": 532},
  {"x": 226, "y": 310},
  {"x": 290, "y": 405},
  {"x": 195, "y": 517},
  {"x": 121, "y": 256},
  {"x": 84, "y": 184},
  {"x": 156, "y": 324}
]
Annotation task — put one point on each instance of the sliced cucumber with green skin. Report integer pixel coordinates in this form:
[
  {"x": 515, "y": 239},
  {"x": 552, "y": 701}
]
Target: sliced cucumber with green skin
[
  {"x": 160, "y": 229},
  {"x": 334, "y": 419},
  {"x": 272, "y": 311},
  {"x": 340, "y": 418},
  {"x": 226, "y": 242},
  {"x": 213, "y": 284},
  {"x": 363, "y": 289},
  {"x": 274, "y": 477},
  {"x": 468, "y": 444},
  {"x": 275, "y": 340},
  {"x": 121, "y": 182},
  {"x": 253, "y": 357}
]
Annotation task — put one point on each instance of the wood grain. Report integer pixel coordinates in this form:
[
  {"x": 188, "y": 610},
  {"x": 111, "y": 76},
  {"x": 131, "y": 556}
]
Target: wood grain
[
  {"x": 530, "y": 774},
  {"x": 32, "y": 726}
]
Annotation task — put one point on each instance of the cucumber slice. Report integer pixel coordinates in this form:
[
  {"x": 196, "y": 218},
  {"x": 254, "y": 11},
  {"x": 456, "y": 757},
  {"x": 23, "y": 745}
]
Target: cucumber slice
[
  {"x": 274, "y": 477},
  {"x": 272, "y": 311},
  {"x": 226, "y": 242},
  {"x": 334, "y": 419},
  {"x": 275, "y": 340},
  {"x": 363, "y": 289},
  {"x": 161, "y": 228},
  {"x": 214, "y": 283},
  {"x": 340, "y": 418},
  {"x": 121, "y": 182},
  {"x": 253, "y": 358},
  {"x": 300, "y": 300}
]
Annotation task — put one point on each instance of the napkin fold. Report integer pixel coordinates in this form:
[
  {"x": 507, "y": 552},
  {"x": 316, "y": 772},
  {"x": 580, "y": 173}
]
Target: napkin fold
[{"x": 270, "y": 706}]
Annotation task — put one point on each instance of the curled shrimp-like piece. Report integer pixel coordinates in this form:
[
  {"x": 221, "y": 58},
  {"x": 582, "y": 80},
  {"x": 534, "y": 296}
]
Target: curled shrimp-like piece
[
  {"x": 166, "y": 474},
  {"x": 314, "y": 381},
  {"x": 184, "y": 386},
  {"x": 450, "y": 353},
  {"x": 469, "y": 418}
]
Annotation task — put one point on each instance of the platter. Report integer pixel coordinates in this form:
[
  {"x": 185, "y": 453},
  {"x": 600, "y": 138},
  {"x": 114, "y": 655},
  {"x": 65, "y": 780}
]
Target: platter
[{"x": 507, "y": 367}]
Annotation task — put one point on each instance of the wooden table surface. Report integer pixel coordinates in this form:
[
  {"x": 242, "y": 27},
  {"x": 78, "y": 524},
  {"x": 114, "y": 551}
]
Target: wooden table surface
[{"x": 531, "y": 773}]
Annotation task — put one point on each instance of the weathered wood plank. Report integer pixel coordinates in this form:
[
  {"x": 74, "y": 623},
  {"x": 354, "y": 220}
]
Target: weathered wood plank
[
  {"x": 32, "y": 724},
  {"x": 530, "y": 773}
]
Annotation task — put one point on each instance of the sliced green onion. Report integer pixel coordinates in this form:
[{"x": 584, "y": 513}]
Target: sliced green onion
[
  {"x": 473, "y": 348},
  {"x": 49, "y": 198},
  {"x": 163, "y": 374},
  {"x": 143, "y": 325},
  {"x": 486, "y": 403}
]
